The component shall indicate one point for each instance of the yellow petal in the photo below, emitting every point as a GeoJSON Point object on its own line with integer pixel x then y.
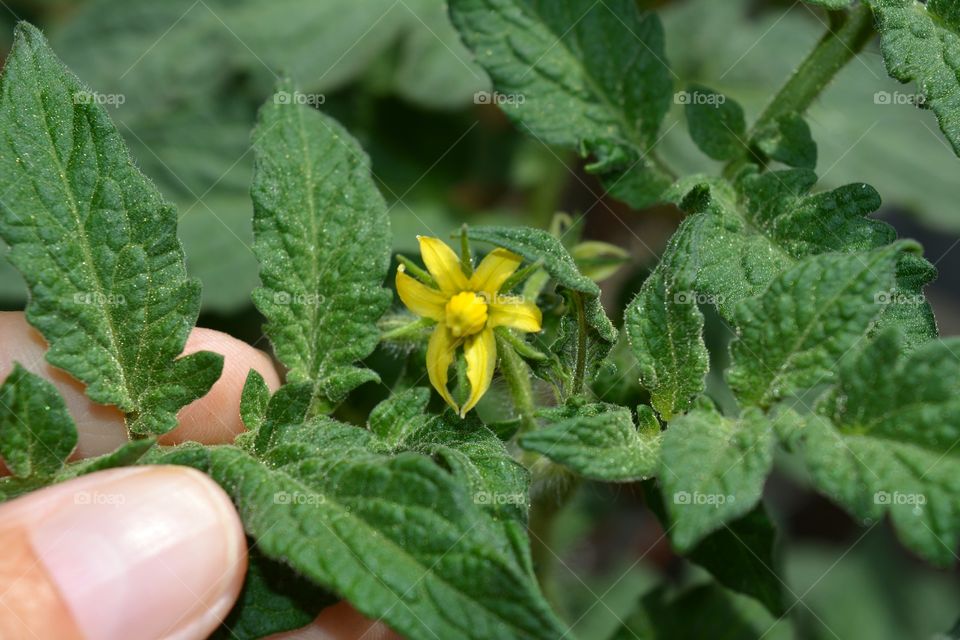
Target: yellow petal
{"type": "Point", "coordinates": [443, 264]}
{"type": "Point", "coordinates": [440, 352]}
{"type": "Point", "coordinates": [515, 314]}
{"type": "Point", "coordinates": [422, 300]}
{"type": "Point", "coordinates": [494, 269]}
{"type": "Point", "coordinates": [480, 351]}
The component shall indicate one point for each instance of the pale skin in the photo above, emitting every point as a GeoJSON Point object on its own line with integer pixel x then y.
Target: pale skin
{"type": "Point", "coordinates": [144, 553]}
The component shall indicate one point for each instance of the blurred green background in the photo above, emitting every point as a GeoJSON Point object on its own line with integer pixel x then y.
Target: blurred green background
{"type": "Point", "coordinates": [191, 74]}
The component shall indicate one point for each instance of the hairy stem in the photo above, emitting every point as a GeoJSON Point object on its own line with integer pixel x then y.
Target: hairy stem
{"type": "Point", "coordinates": [516, 374]}
{"type": "Point", "coordinates": [848, 34]}
{"type": "Point", "coordinates": [581, 366]}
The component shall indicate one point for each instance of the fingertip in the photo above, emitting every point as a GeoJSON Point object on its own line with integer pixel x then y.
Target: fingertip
{"type": "Point", "coordinates": [341, 622]}
{"type": "Point", "coordinates": [146, 552]}
{"type": "Point", "coordinates": [215, 418]}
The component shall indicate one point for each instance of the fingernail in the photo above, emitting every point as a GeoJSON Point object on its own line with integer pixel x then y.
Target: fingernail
{"type": "Point", "coordinates": [154, 554]}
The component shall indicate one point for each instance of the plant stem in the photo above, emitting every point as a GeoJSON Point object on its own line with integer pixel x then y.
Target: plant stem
{"type": "Point", "coordinates": [581, 366]}
{"type": "Point", "coordinates": [518, 381]}
{"type": "Point", "coordinates": [848, 34]}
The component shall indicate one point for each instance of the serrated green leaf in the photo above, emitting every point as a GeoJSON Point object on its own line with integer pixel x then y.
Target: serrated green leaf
{"type": "Point", "coordinates": [323, 240]}
{"type": "Point", "coordinates": [355, 523]}
{"type": "Point", "coordinates": [883, 441]}
{"type": "Point", "coordinates": [921, 43]}
{"type": "Point", "coordinates": [96, 244]}
{"type": "Point", "coordinates": [273, 599]}
{"type": "Point", "coordinates": [664, 326]}
{"type": "Point", "coordinates": [601, 442]}
{"type": "Point", "coordinates": [125, 455]}
{"type": "Point", "coordinates": [560, 67]}
{"type": "Point", "coordinates": [254, 400]}
{"type": "Point", "coordinates": [717, 124]}
{"type": "Point", "coordinates": [499, 484]}
{"type": "Point", "coordinates": [399, 415]}
{"type": "Point", "coordinates": [37, 434]}
{"type": "Point", "coordinates": [713, 470]}
{"type": "Point", "coordinates": [792, 336]}
{"type": "Point", "coordinates": [788, 140]}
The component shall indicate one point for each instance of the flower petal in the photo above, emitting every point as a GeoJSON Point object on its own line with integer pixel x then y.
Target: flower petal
{"type": "Point", "coordinates": [494, 269]}
{"type": "Point", "coordinates": [480, 351]}
{"type": "Point", "coordinates": [443, 264]}
{"type": "Point", "coordinates": [422, 300]}
{"type": "Point", "coordinates": [440, 353]}
{"type": "Point", "coordinates": [515, 314]}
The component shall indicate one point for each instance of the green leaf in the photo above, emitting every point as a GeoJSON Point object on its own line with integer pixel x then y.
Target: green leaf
{"type": "Point", "coordinates": [399, 415]}
{"type": "Point", "coordinates": [921, 43]}
{"type": "Point", "coordinates": [883, 441]}
{"type": "Point", "coordinates": [741, 557]}
{"type": "Point", "coordinates": [37, 433]}
{"type": "Point", "coordinates": [396, 535]}
{"type": "Point", "coordinates": [793, 335]}
{"type": "Point", "coordinates": [96, 244]}
{"type": "Point", "coordinates": [125, 455]}
{"type": "Point", "coordinates": [833, 5]}
{"type": "Point", "coordinates": [664, 326]}
{"type": "Point", "coordinates": [788, 140]}
{"type": "Point", "coordinates": [561, 70]}
{"type": "Point", "coordinates": [323, 240]}
{"type": "Point", "coordinates": [499, 484]}
{"type": "Point", "coordinates": [704, 611]}
{"type": "Point", "coordinates": [601, 442]}
{"type": "Point", "coordinates": [717, 124]}
{"type": "Point", "coordinates": [273, 599]}
{"type": "Point", "coordinates": [254, 400]}
{"type": "Point", "coordinates": [713, 470]}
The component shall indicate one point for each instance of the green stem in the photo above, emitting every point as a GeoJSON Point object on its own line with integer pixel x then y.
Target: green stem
{"type": "Point", "coordinates": [847, 35]}
{"type": "Point", "coordinates": [517, 375]}
{"type": "Point", "coordinates": [408, 330]}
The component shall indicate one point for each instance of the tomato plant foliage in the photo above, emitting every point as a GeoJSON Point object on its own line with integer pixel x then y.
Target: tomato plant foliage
{"type": "Point", "coordinates": [419, 517]}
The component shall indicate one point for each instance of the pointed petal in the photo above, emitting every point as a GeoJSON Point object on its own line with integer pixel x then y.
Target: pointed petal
{"type": "Point", "coordinates": [515, 314]}
{"type": "Point", "coordinates": [440, 352]}
{"type": "Point", "coordinates": [443, 264]}
{"type": "Point", "coordinates": [422, 300]}
{"type": "Point", "coordinates": [480, 351]}
{"type": "Point", "coordinates": [494, 269]}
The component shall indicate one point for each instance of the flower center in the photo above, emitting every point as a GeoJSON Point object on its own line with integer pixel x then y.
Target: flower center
{"type": "Point", "coordinates": [466, 314]}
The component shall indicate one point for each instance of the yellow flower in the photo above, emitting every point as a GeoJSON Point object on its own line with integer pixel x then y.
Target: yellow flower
{"type": "Point", "coordinates": [467, 310]}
